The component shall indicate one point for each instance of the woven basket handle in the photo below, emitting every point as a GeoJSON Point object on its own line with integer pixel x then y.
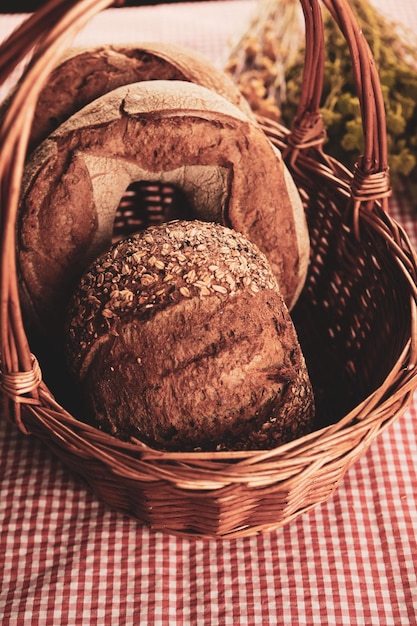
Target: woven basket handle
{"type": "Point", "coordinates": [370, 181]}
{"type": "Point", "coordinates": [45, 34]}
{"type": "Point", "coordinates": [307, 129]}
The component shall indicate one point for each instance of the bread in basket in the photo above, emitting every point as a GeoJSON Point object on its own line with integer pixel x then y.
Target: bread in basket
{"type": "Point", "coordinates": [356, 316]}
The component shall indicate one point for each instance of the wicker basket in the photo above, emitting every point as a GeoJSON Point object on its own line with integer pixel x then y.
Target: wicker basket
{"type": "Point", "coordinates": [356, 318]}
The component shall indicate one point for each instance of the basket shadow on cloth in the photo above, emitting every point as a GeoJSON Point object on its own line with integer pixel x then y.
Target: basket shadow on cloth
{"type": "Point", "coordinates": [356, 317]}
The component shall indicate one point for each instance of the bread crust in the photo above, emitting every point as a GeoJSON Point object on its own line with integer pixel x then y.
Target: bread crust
{"type": "Point", "coordinates": [74, 181]}
{"type": "Point", "coordinates": [180, 337]}
{"type": "Point", "coordinates": [84, 74]}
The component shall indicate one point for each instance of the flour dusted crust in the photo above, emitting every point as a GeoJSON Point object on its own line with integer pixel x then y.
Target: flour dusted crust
{"type": "Point", "coordinates": [173, 131]}
{"type": "Point", "coordinates": [84, 74]}
{"type": "Point", "coordinates": [179, 337]}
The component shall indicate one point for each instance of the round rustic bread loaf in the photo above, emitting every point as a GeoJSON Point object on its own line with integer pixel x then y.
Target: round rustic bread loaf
{"type": "Point", "coordinates": [84, 74]}
{"type": "Point", "coordinates": [180, 338]}
{"type": "Point", "coordinates": [171, 131]}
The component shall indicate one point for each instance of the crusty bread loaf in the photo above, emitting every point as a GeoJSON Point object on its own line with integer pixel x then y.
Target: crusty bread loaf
{"type": "Point", "coordinates": [180, 337]}
{"type": "Point", "coordinates": [173, 131]}
{"type": "Point", "coordinates": [84, 74]}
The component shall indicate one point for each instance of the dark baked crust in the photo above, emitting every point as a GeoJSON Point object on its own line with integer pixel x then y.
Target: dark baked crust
{"type": "Point", "coordinates": [85, 74]}
{"type": "Point", "coordinates": [181, 338]}
{"type": "Point", "coordinates": [160, 127]}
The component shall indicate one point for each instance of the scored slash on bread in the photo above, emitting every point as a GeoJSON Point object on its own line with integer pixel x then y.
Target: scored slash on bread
{"type": "Point", "coordinates": [152, 129]}
{"type": "Point", "coordinates": [84, 74]}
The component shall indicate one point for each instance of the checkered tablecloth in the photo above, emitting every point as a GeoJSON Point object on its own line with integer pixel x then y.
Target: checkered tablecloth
{"type": "Point", "coordinates": [67, 559]}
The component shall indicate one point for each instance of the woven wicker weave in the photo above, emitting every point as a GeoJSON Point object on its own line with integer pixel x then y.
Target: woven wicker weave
{"type": "Point", "coordinates": [356, 317]}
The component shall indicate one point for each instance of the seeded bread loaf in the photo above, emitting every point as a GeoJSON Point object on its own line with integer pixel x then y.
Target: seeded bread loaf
{"type": "Point", "coordinates": [179, 337]}
{"type": "Point", "coordinates": [171, 131]}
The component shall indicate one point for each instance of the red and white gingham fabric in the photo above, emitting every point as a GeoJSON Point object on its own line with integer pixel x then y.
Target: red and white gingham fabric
{"type": "Point", "coordinates": [67, 559]}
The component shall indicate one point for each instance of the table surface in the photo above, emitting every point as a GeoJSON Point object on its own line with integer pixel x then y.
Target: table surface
{"type": "Point", "coordinates": [66, 558]}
